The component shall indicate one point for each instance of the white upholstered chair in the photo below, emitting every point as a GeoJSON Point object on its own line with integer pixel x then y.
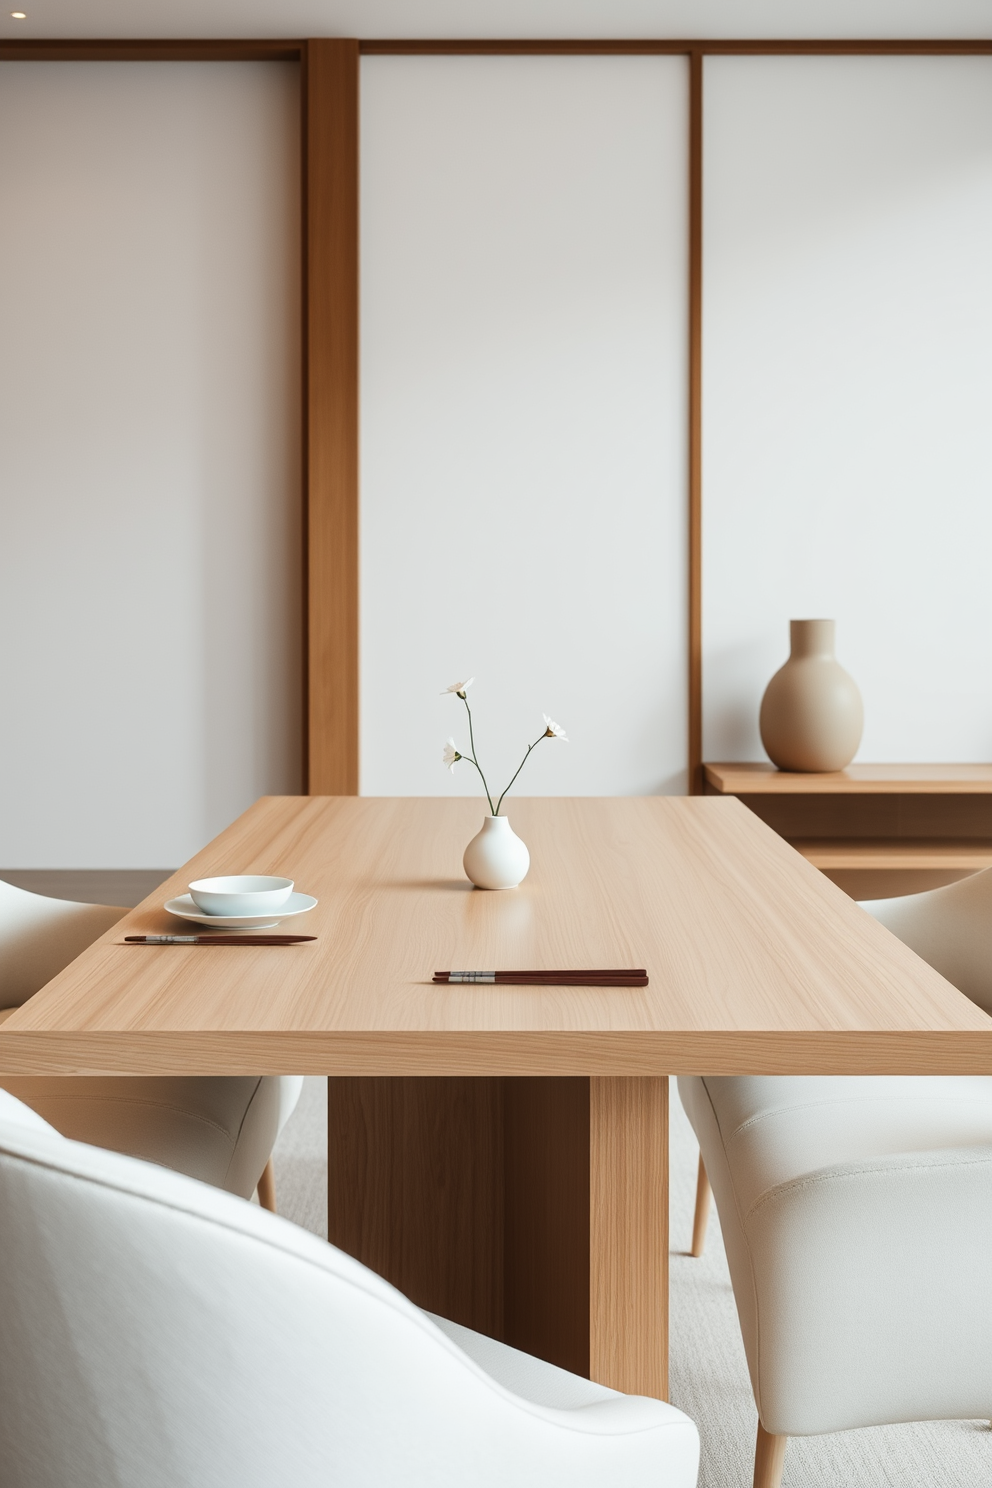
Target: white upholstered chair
{"type": "Point", "coordinates": [856, 1213]}
{"type": "Point", "coordinates": [218, 1129]}
{"type": "Point", "coordinates": [951, 928]}
{"type": "Point", "coordinates": [157, 1333]}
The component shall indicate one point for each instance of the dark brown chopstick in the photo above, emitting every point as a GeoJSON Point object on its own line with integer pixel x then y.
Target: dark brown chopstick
{"type": "Point", "coordinates": [609, 977]}
{"type": "Point", "coordinates": [200, 940]}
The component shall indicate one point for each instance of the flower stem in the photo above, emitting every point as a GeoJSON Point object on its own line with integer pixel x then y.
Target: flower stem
{"type": "Point", "coordinates": [475, 762]}
{"type": "Point", "coordinates": [537, 741]}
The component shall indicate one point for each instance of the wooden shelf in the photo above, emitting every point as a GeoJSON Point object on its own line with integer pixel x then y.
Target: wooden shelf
{"type": "Point", "coordinates": [842, 853]}
{"type": "Point", "coordinates": [868, 780]}
{"type": "Point", "coordinates": [876, 830]}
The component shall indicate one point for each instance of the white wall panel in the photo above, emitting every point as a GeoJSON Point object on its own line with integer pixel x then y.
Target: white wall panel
{"type": "Point", "coordinates": [508, 18]}
{"type": "Point", "coordinates": [523, 418]}
{"type": "Point", "coordinates": [847, 389]}
{"type": "Point", "coordinates": [149, 466]}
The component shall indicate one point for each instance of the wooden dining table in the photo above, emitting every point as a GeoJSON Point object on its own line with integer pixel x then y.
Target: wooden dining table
{"type": "Point", "coordinates": [500, 1153]}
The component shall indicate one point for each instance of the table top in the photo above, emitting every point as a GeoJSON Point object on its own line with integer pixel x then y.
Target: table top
{"type": "Point", "coordinates": [873, 780]}
{"type": "Point", "coordinates": [757, 962]}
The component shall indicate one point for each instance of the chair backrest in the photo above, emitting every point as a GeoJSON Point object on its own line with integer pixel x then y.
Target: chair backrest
{"type": "Point", "coordinates": [157, 1333]}
{"type": "Point", "coordinates": [951, 928]}
{"type": "Point", "coordinates": [15, 1111]}
{"type": "Point", "coordinates": [39, 936]}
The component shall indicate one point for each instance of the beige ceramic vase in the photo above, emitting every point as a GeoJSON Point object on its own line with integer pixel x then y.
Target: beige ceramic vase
{"type": "Point", "coordinates": [811, 714]}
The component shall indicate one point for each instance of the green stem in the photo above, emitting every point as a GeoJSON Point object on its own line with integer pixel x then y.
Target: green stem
{"type": "Point", "coordinates": [475, 761]}
{"type": "Point", "coordinates": [537, 741]}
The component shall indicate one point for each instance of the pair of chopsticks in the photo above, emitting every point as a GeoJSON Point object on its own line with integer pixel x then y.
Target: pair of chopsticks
{"type": "Point", "coordinates": [238, 940]}
{"type": "Point", "coordinates": [612, 977]}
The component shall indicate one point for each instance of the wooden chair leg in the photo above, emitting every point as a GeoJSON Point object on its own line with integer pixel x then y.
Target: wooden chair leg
{"type": "Point", "coordinates": [769, 1459]}
{"type": "Point", "coordinates": [267, 1188]}
{"type": "Point", "coordinates": [702, 1215]}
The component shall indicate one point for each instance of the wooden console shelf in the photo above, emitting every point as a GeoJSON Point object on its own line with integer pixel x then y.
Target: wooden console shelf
{"type": "Point", "coordinates": [865, 780]}
{"type": "Point", "coordinates": [848, 852]}
{"type": "Point", "coordinates": [874, 829]}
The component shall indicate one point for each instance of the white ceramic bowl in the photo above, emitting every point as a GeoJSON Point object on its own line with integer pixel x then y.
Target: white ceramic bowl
{"type": "Point", "coordinates": [241, 894]}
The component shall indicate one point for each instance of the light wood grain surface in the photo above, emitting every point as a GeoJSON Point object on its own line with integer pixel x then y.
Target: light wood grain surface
{"type": "Point", "coordinates": [628, 1212]}
{"type": "Point", "coordinates": [927, 780]}
{"type": "Point", "coordinates": [757, 962]}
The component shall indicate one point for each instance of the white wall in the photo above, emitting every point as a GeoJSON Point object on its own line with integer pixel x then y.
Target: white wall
{"type": "Point", "coordinates": [507, 18]}
{"type": "Point", "coordinates": [523, 419]}
{"type": "Point", "coordinates": [149, 480]}
{"type": "Point", "coordinates": [848, 389]}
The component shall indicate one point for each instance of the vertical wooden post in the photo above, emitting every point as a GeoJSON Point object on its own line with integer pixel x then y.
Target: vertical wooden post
{"type": "Point", "coordinates": [330, 402]}
{"type": "Point", "coordinates": [628, 1234]}
{"type": "Point", "coordinates": [696, 421]}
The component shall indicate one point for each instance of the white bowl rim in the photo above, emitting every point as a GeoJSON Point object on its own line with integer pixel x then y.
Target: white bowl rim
{"type": "Point", "coordinates": [238, 883]}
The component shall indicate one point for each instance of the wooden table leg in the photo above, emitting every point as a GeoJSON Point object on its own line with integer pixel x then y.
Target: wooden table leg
{"type": "Point", "coordinates": [628, 1234]}
{"type": "Point", "coordinates": [534, 1210]}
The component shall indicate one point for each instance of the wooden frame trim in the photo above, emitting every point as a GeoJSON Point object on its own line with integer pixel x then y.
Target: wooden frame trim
{"type": "Point", "coordinates": [330, 415]}
{"type": "Point", "coordinates": [550, 47]}
{"type": "Point", "coordinates": [164, 50]}
{"type": "Point", "coordinates": [695, 535]}
{"type": "Point", "coordinates": [665, 47]}
{"type": "Point", "coordinates": [937, 47]}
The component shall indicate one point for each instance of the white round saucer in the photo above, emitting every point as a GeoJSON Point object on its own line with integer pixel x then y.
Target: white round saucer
{"type": "Point", "coordinates": [185, 909]}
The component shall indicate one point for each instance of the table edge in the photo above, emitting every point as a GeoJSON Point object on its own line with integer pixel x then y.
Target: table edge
{"type": "Point", "coordinates": [623, 1054]}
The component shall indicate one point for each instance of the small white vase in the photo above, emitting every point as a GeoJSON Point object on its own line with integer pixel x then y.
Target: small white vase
{"type": "Point", "coordinates": [496, 858]}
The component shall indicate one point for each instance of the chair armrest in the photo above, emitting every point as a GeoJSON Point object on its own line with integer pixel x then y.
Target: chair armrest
{"type": "Point", "coordinates": [873, 1293]}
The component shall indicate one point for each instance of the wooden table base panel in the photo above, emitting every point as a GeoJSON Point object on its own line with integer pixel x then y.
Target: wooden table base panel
{"type": "Point", "coordinates": [546, 1219]}
{"type": "Point", "coordinates": [415, 1189]}
{"type": "Point", "coordinates": [534, 1210]}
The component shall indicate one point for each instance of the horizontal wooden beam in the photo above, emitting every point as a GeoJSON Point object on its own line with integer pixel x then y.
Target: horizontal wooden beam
{"type": "Point", "coordinates": [248, 49]}
{"type": "Point", "coordinates": [608, 47]}
{"type": "Point", "coordinates": [509, 48]}
{"type": "Point", "coordinates": [164, 50]}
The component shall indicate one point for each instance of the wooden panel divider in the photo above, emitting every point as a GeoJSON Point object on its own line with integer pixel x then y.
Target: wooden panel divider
{"type": "Point", "coordinates": [330, 318]}
{"type": "Point", "coordinates": [330, 412]}
{"type": "Point", "coordinates": [695, 555]}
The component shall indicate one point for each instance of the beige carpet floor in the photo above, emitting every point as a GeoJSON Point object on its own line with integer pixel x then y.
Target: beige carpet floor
{"type": "Point", "coordinates": [709, 1375]}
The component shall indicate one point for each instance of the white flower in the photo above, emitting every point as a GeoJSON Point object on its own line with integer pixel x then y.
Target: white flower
{"type": "Point", "coordinates": [451, 755]}
{"type": "Point", "coordinates": [460, 687]}
{"type": "Point", "coordinates": [554, 730]}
